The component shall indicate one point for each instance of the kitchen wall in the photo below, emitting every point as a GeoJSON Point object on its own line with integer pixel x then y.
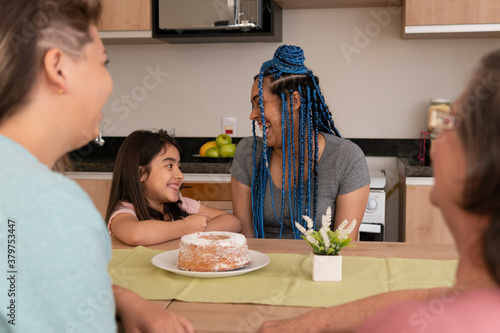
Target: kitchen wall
{"type": "Point", "coordinates": [376, 84]}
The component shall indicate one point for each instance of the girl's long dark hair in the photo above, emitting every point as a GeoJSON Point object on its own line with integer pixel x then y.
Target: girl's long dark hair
{"type": "Point", "coordinates": [138, 150]}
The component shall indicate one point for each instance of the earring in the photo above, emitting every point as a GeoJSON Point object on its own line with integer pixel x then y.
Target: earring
{"type": "Point", "coordinates": [60, 91]}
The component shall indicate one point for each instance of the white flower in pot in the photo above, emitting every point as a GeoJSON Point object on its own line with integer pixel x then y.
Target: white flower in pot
{"type": "Point", "coordinates": [326, 245]}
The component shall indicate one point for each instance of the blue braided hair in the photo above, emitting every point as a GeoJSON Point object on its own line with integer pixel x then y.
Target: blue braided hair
{"type": "Point", "coordinates": [286, 74]}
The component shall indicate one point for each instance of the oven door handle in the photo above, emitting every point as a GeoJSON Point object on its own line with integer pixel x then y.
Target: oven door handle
{"type": "Point", "coordinates": [370, 228]}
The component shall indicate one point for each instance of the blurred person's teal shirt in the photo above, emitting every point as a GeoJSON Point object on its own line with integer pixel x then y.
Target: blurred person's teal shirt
{"type": "Point", "coordinates": [58, 280]}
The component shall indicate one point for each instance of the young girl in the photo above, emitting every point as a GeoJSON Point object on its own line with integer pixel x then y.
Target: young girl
{"type": "Point", "coordinates": [145, 205]}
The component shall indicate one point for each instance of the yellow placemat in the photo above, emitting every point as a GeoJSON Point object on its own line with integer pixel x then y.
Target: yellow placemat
{"type": "Point", "coordinates": [285, 281]}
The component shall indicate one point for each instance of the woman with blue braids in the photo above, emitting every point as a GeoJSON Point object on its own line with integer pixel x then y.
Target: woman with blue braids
{"type": "Point", "coordinates": [300, 166]}
{"type": "Point", "coordinates": [466, 168]}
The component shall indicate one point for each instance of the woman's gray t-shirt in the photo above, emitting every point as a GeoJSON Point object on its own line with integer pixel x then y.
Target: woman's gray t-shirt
{"type": "Point", "coordinates": [342, 169]}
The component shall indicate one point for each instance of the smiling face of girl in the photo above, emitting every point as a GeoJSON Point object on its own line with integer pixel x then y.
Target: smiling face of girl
{"type": "Point", "coordinates": [163, 179]}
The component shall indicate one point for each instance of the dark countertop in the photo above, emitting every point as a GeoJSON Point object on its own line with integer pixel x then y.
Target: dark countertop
{"type": "Point", "coordinates": [105, 165]}
{"type": "Point", "coordinates": [409, 169]}
{"type": "Point", "coordinates": [90, 165]}
{"type": "Point", "coordinates": [92, 158]}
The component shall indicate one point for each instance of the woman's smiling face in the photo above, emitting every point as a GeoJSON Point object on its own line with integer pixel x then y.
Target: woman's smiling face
{"type": "Point", "coordinates": [272, 113]}
{"type": "Point", "coordinates": [90, 86]}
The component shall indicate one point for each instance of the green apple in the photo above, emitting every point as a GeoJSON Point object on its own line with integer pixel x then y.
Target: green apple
{"type": "Point", "coordinates": [212, 152]}
{"type": "Point", "coordinates": [227, 150]}
{"type": "Point", "coordinates": [223, 139]}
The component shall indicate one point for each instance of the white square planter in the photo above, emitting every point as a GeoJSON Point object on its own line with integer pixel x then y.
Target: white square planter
{"type": "Point", "coordinates": [327, 268]}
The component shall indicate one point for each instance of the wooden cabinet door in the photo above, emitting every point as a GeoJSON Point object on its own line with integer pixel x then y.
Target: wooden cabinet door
{"type": "Point", "coordinates": [451, 19]}
{"type": "Point", "coordinates": [217, 195]}
{"type": "Point", "coordinates": [207, 191]}
{"type": "Point", "coordinates": [125, 15]}
{"type": "Point", "coordinates": [98, 190]}
{"type": "Point", "coordinates": [422, 223]}
{"type": "Point", "coordinates": [432, 12]}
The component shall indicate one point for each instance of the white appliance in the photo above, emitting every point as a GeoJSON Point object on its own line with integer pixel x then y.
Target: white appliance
{"type": "Point", "coordinates": [373, 224]}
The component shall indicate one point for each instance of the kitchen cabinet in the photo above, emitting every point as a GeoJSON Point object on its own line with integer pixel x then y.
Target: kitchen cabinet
{"type": "Point", "coordinates": [97, 185]}
{"type": "Point", "coordinates": [217, 195]}
{"type": "Point", "coordinates": [122, 15]}
{"type": "Point", "coordinates": [420, 221]}
{"type": "Point", "coordinates": [451, 18]}
{"type": "Point", "coordinates": [126, 21]}
{"type": "Point", "coordinates": [213, 190]}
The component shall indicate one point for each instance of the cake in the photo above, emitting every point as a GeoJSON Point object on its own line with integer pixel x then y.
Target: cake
{"type": "Point", "coordinates": [213, 251]}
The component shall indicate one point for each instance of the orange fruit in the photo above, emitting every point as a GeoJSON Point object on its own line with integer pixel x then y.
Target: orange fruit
{"type": "Point", "coordinates": [206, 146]}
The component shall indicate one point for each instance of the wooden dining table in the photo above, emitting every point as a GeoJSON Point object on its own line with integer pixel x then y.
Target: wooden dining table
{"type": "Point", "coordinates": [230, 317]}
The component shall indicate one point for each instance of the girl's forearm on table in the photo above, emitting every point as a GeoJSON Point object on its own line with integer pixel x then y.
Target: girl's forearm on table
{"type": "Point", "coordinates": [224, 222]}
{"type": "Point", "coordinates": [151, 232]}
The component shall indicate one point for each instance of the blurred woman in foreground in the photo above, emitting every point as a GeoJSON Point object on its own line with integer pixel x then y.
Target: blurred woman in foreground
{"type": "Point", "coordinates": [53, 85]}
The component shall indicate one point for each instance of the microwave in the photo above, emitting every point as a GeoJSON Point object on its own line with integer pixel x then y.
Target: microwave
{"type": "Point", "coordinates": [186, 15]}
{"type": "Point", "coordinates": [216, 21]}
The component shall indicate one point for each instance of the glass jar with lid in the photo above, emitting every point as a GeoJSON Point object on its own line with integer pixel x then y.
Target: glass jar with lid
{"type": "Point", "coordinates": [437, 104]}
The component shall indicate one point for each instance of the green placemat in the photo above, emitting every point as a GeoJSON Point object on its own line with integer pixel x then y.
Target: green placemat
{"type": "Point", "coordinates": [285, 281]}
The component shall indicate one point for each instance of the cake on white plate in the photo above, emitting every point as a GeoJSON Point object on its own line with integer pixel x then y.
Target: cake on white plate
{"type": "Point", "coordinates": [213, 251]}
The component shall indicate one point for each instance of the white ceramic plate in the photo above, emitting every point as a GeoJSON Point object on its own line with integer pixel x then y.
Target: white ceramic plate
{"type": "Point", "coordinates": [168, 261]}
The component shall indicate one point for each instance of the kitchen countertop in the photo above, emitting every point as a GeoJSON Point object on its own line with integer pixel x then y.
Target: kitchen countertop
{"type": "Point", "coordinates": [106, 165]}
{"type": "Point", "coordinates": [92, 158]}
{"type": "Point", "coordinates": [407, 168]}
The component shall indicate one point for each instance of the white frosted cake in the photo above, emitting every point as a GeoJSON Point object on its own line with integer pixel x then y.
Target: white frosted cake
{"type": "Point", "coordinates": [213, 251]}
